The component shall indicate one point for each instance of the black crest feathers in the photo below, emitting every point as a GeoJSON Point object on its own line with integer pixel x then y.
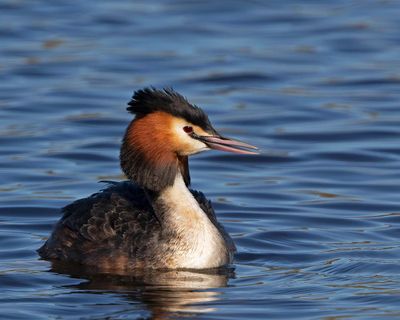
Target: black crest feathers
{"type": "Point", "coordinates": [148, 100]}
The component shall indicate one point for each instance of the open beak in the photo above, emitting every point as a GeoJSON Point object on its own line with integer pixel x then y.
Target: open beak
{"type": "Point", "coordinates": [229, 145]}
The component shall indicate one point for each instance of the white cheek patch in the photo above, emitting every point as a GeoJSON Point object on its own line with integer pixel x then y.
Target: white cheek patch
{"type": "Point", "coordinates": [185, 143]}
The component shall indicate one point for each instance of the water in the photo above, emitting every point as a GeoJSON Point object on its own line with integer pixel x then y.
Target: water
{"type": "Point", "coordinates": [314, 84]}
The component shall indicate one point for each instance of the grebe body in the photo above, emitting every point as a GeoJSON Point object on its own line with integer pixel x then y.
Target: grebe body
{"type": "Point", "coordinates": [153, 220]}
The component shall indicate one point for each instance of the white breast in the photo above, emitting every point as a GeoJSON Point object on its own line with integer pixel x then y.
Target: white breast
{"type": "Point", "coordinates": [202, 245]}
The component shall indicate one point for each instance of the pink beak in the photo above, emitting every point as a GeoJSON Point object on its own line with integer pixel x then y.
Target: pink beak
{"type": "Point", "coordinates": [229, 145]}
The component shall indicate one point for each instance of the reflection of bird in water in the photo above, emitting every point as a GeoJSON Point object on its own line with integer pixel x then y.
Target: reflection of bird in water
{"type": "Point", "coordinates": [153, 220]}
{"type": "Point", "coordinates": [167, 294]}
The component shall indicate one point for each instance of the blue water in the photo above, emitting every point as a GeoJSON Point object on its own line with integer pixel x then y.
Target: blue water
{"type": "Point", "coordinates": [314, 84]}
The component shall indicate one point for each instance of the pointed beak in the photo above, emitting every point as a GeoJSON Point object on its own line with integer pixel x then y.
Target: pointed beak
{"type": "Point", "coordinates": [230, 145]}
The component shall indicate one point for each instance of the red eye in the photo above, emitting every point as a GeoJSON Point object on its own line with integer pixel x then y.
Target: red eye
{"type": "Point", "coordinates": [188, 129]}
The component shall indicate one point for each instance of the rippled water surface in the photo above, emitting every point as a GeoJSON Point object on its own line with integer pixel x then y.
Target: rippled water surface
{"type": "Point", "coordinates": [314, 84]}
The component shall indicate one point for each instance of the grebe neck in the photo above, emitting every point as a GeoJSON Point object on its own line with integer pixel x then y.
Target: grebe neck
{"type": "Point", "coordinates": [176, 205]}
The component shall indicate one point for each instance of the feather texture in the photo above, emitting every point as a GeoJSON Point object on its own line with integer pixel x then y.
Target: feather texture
{"type": "Point", "coordinates": [118, 229]}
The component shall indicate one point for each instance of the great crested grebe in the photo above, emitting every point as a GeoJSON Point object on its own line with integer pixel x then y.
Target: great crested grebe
{"type": "Point", "coordinates": [153, 220]}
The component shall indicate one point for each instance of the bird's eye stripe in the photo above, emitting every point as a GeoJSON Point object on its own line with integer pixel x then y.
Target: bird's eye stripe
{"type": "Point", "coordinates": [187, 129]}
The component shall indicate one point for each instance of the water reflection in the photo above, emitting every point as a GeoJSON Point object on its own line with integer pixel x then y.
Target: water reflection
{"type": "Point", "coordinates": [166, 294]}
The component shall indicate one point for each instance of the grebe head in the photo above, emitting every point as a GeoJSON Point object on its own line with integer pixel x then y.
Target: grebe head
{"type": "Point", "coordinates": [165, 131]}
